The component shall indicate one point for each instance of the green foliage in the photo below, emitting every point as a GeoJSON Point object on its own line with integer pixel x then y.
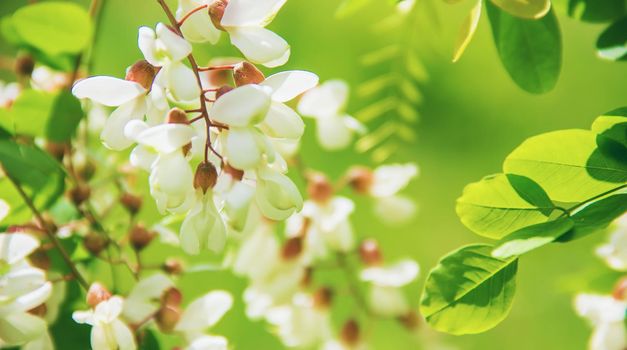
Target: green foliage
{"type": "Point", "coordinates": [596, 10]}
{"type": "Point", "coordinates": [557, 187]}
{"type": "Point", "coordinates": [469, 291]}
{"type": "Point", "coordinates": [611, 43]}
{"type": "Point", "coordinates": [531, 50]}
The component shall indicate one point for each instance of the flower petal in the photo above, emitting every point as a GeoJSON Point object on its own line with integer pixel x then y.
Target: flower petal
{"type": "Point", "coordinates": [177, 47]}
{"type": "Point", "coordinates": [112, 134]}
{"type": "Point", "coordinates": [147, 42]}
{"type": "Point", "coordinates": [123, 336]}
{"type": "Point", "coordinates": [142, 157]}
{"type": "Point", "coordinates": [333, 134]}
{"type": "Point", "coordinates": [205, 311]}
{"type": "Point", "coordinates": [328, 99]}
{"type": "Point", "coordinates": [242, 147]}
{"type": "Point", "coordinates": [250, 12]}
{"type": "Point", "coordinates": [198, 27]}
{"type": "Point", "coordinates": [18, 328]}
{"type": "Point", "coordinates": [166, 138]}
{"type": "Point", "coordinates": [260, 45]}
{"type": "Point", "coordinates": [209, 342]}
{"type": "Point", "coordinates": [390, 179]}
{"type": "Point", "coordinates": [288, 85]}
{"type": "Point", "coordinates": [17, 246]}
{"type": "Point", "coordinates": [180, 81]}
{"type": "Point", "coordinates": [283, 123]}
{"type": "Point", "coordinates": [108, 91]}
{"type": "Point", "coordinates": [243, 106]}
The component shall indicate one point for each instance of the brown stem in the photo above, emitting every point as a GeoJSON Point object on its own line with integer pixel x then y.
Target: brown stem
{"type": "Point", "coordinates": [182, 20]}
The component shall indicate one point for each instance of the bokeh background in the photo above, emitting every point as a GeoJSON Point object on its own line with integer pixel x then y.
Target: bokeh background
{"type": "Point", "coordinates": [472, 116]}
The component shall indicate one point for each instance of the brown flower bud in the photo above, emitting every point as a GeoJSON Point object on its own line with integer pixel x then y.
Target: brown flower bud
{"type": "Point", "coordinates": [142, 73]}
{"type": "Point", "coordinates": [172, 267]}
{"type": "Point", "coordinates": [307, 277]}
{"type": "Point", "coordinates": [235, 173]}
{"type": "Point", "coordinates": [370, 253]}
{"type": "Point", "coordinates": [95, 243]}
{"type": "Point", "coordinates": [56, 149]}
{"type": "Point", "coordinates": [131, 202]}
{"type": "Point", "coordinates": [39, 311]}
{"type": "Point", "coordinates": [350, 333]}
{"type": "Point", "coordinates": [96, 294]}
{"type": "Point", "coordinates": [222, 90]}
{"type": "Point", "coordinates": [79, 194]}
{"type": "Point", "coordinates": [205, 177]}
{"type": "Point", "coordinates": [216, 12]}
{"type": "Point", "coordinates": [40, 259]}
{"type": "Point", "coordinates": [319, 188]}
{"type": "Point", "coordinates": [86, 170]}
{"type": "Point", "coordinates": [360, 179]}
{"type": "Point", "coordinates": [245, 73]}
{"type": "Point", "coordinates": [172, 297]}
{"type": "Point", "coordinates": [620, 289]}
{"type": "Point", "coordinates": [410, 320]}
{"type": "Point", "coordinates": [177, 116]}
{"type": "Point", "coordinates": [292, 248]}
{"type": "Point", "coordinates": [219, 77]}
{"type": "Point", "coordinates": [322, 298]}
{"type": "Point", "coordinates": [140, 237]}
{"type": "Point", "coordinates": [167, 317]}
{"type": "Point", "coordinates": [24, 65]}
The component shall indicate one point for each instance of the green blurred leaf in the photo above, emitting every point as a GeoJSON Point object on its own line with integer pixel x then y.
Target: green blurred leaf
{"type": "Point", "coordinates": [500, 204]}
{"type": "Point", "coordinates": [66, 114]}
{"type": "Point", "coordinates": [529, 9]}
{"type": "Point", "coordinates": [596, 216]}
{"type": "Point", "coordinates": [612, 43]}
{"type": "Point", "coordinates": [53, 27]}
{"type": "Point", "coordinates": [531, 237]}
{"type": "Point", "coordinates": [348, 7]}
{"type": "Point", "coordinates": [30, 112]}
{"type": "Point", "coordinates": [467, 31]}
{"type": "Point", "coordinates": [596, 10]}
{"type": "Point", "coordinates": [567, 164]}
{"type": "Point", "coordinates": [612, 125]}
{"type": "Point", "coordinates": [469, 291]}
{"type": "Point", "coordinates": [531, 50]}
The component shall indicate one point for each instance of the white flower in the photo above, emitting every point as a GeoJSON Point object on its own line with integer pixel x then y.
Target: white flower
{"type": "Point", "coordinates": [166, 49]}
{"type": "Point", "coordinates": [46, 79]}
{"type": "Point", "coordinates": [8, 93]}
{"type": "Point", "coordinates": [245, 20]}
{"type": "Point", "coordinates": [198, 27]}
{"type": "Point", "coordinates": [607, 316]}
{"type": "Point", "coordinates": [258, 253]}
{"type": "Point", "coordinates": [203, 313]}
{"type": "Point", "coordinates": [387, 181]}
{"type": "Point", "coordinates": [326, 103]}
{"type": "Point", "coordinates": [171, 182]}
{"type": "Point", "coordinates": [237, 197]}
{"type": "Point", "coordinates": [329, 227]}
{"type": "Point", "coordinates": [108, 331]}
{"type": "Point", "coordinates": [277, 196]}
{"type": "Point", "coordinates": [301, 323]}
{"type": "Point", "coordinates": [386, 297]}
{"type": "Point", "coordinates": [145, 297]}
{"type": "Point", "coordinates": [209, 342]}
{"type": "Point", "coordinates": [22, 288]}
{"type": "Point", "coordinates": [203, 227]}
{"type": "Point", "coordinates": [339, 345]}
{"type": "Point", "coordinates": [615, 251]}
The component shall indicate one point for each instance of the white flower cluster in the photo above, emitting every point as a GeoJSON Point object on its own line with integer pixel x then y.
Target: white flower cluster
{"type": "Point", "coordinates": [606, 313]}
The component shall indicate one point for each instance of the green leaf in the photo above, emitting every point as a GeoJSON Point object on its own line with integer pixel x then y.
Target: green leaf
{"type": "Point", "coordinates": [348, 7]}
{"type": "Point", "coordinates": [530, 9]}
{"type": "Point", "coordinates": [612, 125]}
{"type": "Point", "coordinates": [66, 114]}
{"type": "Point", "coordinates": [611, 44]}
{"type": "Point", "coordinates": [467, 31]}
{"type": "Point", "coordinates": [531, 50]}
{"type": "Point", "coordinates": [30, 113]}
{"type": "Point", "coordinates": [596, 216]}
{"type": "Point", "coordinates": [596, 10]}
{"type": "Point", "coordinates": [567, 164]}
{"type": "Point", "coordinates": [53, 27]}
{"type": "Point", "coordinates": [469, 291]}
{"type": "Point", "coordinates": [531, 237]}
{"type": "Point", "coordinates": [500, 204]}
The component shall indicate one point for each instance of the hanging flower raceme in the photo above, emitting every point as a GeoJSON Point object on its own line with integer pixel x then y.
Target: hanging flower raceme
{"type": "Point", "coordinates": [22, 288]}
{"type": "Point", "coordinates": [607, 316]}
{"type": "Point", "coordinates": [326, 104]}
{"type": "Point", "coordinates": [134, 98]}
{"type": "Point", "coordinates": [108, 331]}
{"type": "Point", "coordinates": [386, 296]}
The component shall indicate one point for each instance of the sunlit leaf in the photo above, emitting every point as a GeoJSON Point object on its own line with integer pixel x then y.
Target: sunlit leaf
{"type": "Point", "coordinates": [30, 113]}
{"type": "Point", "coordinates": [567, 164]}
{"type": "Point", "coordinates": [531, 50]}
{"type": "Point", "coordinates": [597, 216]}
{"type": "Point", "coordinates": [467, 31]}
{"type": "Point", "coordinates": [469, 291]}
{"type": "Point", "coordinates": [531, 237]}
{"type": "Point", "coordinates": [612, 43]}
{"type": "Point", "coordinates": [501, 204]}
{"type": "Point", "coordinates": [530, 9]}
{"type": "Point", "coordinates": [65, 116]}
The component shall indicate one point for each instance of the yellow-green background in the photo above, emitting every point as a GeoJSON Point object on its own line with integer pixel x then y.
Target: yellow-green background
{"type": "Point", "coordinates": [472, 116]}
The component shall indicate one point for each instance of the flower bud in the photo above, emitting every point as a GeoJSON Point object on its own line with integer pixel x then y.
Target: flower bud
{"type": "Point", "coordinates": [620, 289]}
{"type": "Point", "coordinates": [142, 73]}
{"type": "Point", "coordinates": [319, 188]}
{"type": "Point", "coordinates": [245, 73]}
{"type": "Point", "coordinates": [409, 320]}
{"type": "Point", "coordinates": [350, 333]}
{"type": "Point", "coordinates": [370, 253]}
{"type": "Point", "coordinates": [235, 173]}
{"type": "Point", "coordinates": [40, 259]}
{"type": "Point", "coordinates": [56, 149]}
{"type": "Point", "coordinates": [322, 298]}
{"type": "Point", "coordinates": [307, 277]}
{"type": "Point", "coordinates": [140, 237]}
{"type": "Point", "coordinates": [79, 194]}
{"type": "Point", "coordinates": [24, 66]}
{"type": "Point", "coordinates": [96, 294]}
{"type": "Point", "coordinates": [172, 267]}
{"type": "Point", "coordinates": [86, 170]}
{"type": "Point", "coordinates": [292, 248]}
{"type": "Point", "coordinates": [167, 317]}
{"type": "Point", "coordinates": [205, 177]}
{"type": "Point", "coordinates": [95, 243]}
{"type": "Point", "coordinates": [222, 90]}
{"type": "Point", "coordinates": [131, 202]}
{"type": "Point", "coordinates": [360, 179]}
{"type": "Point", "coordinates": [178, 116]}
{"type": "Point", "coordinates": [39, 311]}
{"type": "Point", "coordinates": [172, 297]}
{"type": "Point", "coordinates": [216, 12]}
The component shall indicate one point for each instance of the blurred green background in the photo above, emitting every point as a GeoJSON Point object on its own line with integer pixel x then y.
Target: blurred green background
{"type": "Point", "coordinates": [473, 115]}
